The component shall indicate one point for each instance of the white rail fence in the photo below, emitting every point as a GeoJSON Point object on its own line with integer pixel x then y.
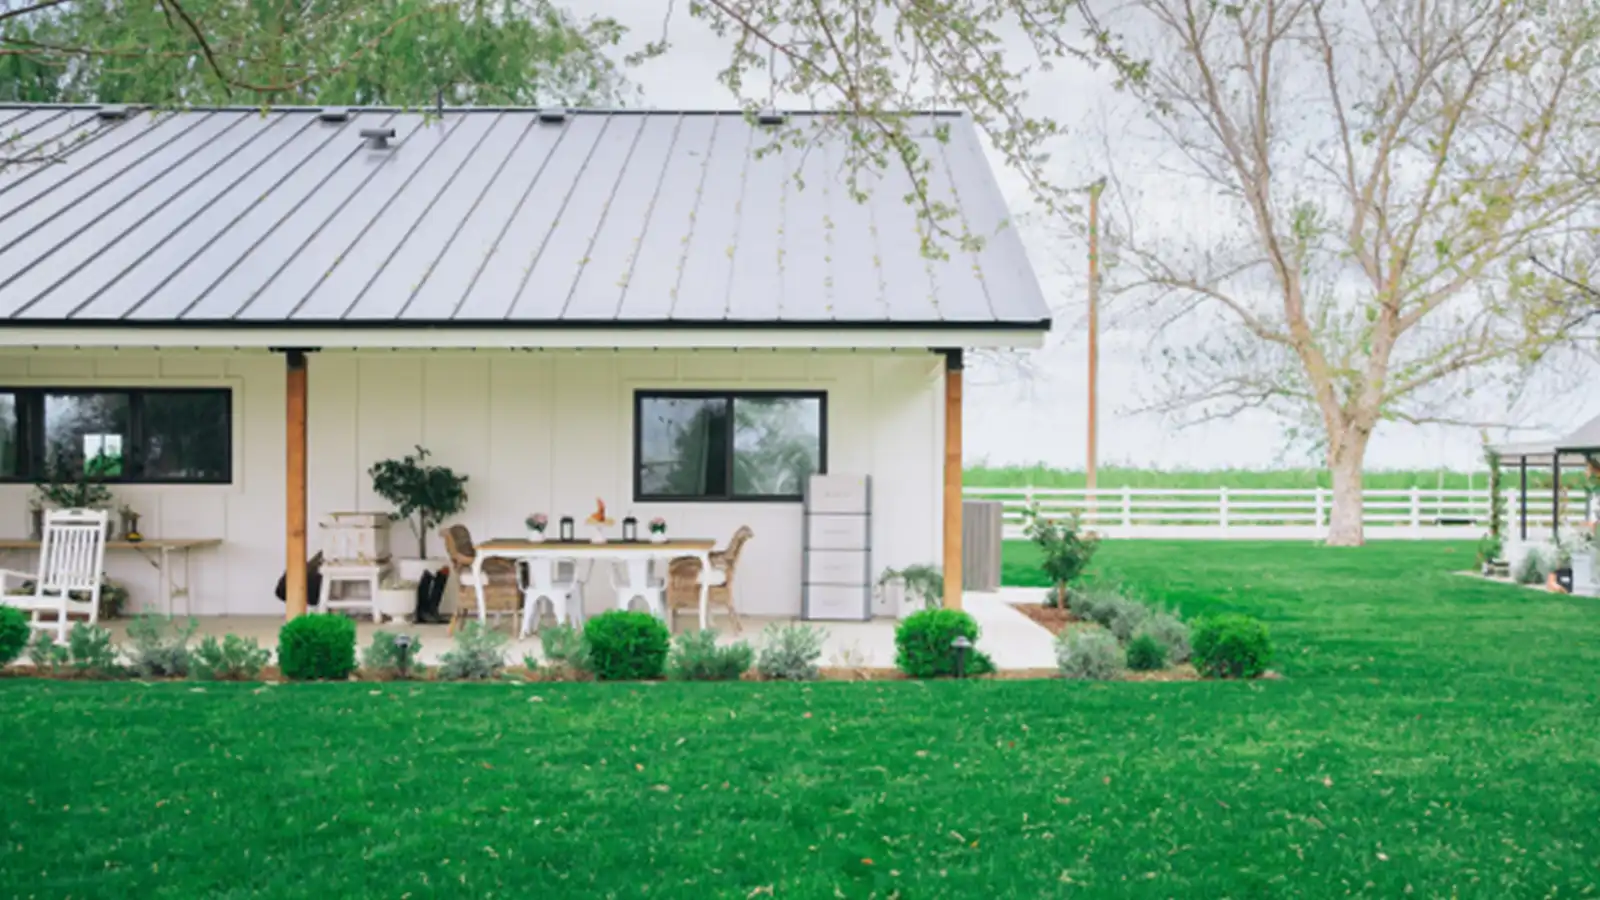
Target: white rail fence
{"type": "Point", "coordinates": [1418, 513]}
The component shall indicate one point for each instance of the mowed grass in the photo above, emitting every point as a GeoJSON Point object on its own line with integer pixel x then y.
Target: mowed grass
{"type": "Point", "coordinates": [1434, 737]}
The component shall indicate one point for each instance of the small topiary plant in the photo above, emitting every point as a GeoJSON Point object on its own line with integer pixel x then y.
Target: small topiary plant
{"type": "Point", "coordinates": [1171, 633]}
{"type": "Point", "coordinates": [1231, 646]}
{"type": "Point", "coordinates": [626, 646]}
{"type": "Point", "coordinates": [790, 653]}
{"type": "Point", "coordinates": [232, 659]}
{"type": "Point", "coordinates": [1146, 654]}
{"type": "Point", "coordinates": [695, 656]}
{"type": "Point", "coordinates": [155, 653]}
{"type": "Point", "coordinates": [1089, 653]}
{"type": "Point", "coordinates": [317, 648]}
{"type": "Point", "coordinates": [479, 654]}
{"type": "Point", "coordinates": [13, 634]}
{"type": "Point", "coordinates": [923, 644]}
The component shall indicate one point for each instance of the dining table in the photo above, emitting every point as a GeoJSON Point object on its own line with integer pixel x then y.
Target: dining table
{"type": "Point", "coordinates": [633, 553]}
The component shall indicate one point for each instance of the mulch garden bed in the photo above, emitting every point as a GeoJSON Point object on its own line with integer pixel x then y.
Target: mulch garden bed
{"type": "Point", "coordinates": [1052, 619]}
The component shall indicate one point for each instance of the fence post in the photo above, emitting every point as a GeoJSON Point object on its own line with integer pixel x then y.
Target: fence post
{"type": "Point", "coordinates": [1322, 510]}
{"type": "Point", "coordinates": [1222, 507]}
{"type": "Point", "coordinates": [1416, 512]}
{"type": "Point", "coordinates": [1127, 507]}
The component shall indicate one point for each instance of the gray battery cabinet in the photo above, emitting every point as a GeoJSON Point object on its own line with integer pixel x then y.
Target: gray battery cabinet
{"type": "Point", "coordinates": [836, 568]}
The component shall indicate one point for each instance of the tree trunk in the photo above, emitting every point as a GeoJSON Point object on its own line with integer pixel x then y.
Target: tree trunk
{"type": "Point", "coordinates": [1345, 522]}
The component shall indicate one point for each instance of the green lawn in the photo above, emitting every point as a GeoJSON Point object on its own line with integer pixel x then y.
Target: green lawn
{"type": "Point", "coordinates": [1434, 735]}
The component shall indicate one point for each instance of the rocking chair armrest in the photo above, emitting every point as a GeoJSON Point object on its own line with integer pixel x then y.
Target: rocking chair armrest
{"type": "Point", "coordinates": [12, 574]}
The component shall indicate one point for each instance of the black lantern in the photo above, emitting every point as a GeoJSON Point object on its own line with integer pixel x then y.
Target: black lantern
{"type": "Point", "coordinates": [630, 530]}
{"type": "Point", "coordinates": [961, 645]}
{"type": "Point", "coordinates": [568, 533]}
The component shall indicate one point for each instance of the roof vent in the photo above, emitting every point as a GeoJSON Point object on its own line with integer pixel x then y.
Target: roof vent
{"type": "Point", "coordinates": [377, 138]}
{"type": "Point", "coordinates": [113, 112]}
{"type": "Point", "coordinates": [334, 114]}
{"type": "Point", "coordinates": [552, 116]}
{"type": "Point", "coordinates": [770, 116]}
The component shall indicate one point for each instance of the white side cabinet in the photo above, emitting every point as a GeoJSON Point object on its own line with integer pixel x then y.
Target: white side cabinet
{"type": "Point", "coordinates": [836, 571]}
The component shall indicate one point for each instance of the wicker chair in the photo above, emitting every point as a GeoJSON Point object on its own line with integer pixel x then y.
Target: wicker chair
{"type": "Point", "coordinates": [683, 581]}
{"type": "Point", "coordinates": [500, 592]}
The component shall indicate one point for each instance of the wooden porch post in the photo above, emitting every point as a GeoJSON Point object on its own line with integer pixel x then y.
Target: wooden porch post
{"type": "Point", "coordinates": [952, 478]}
{"type": "Point", "coordinates": [294, 603]}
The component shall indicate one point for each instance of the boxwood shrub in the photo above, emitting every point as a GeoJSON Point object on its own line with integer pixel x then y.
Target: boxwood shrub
{"type": "Point", "coordinates": [14, 633]}
{"type": "Point", "coordinates": [1231, 646]}
{"type": "Point", "coordinates": [922, 644]}
{"type": "Point", "coordinates": [626, 646]}
{"type": "Point", "coordinates": [317, 648]}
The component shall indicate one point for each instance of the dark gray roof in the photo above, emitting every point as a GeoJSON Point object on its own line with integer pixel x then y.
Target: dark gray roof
{"type": "Point", "coordinates": [481, 216]}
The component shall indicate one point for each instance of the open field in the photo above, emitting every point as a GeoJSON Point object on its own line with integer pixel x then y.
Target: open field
{"type": "Point", "coordinates": [1281, 479]}
{"type": "Point", "coordinates": [1435, 736]}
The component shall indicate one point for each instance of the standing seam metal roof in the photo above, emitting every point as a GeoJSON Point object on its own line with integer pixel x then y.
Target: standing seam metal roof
{"type": "Point", "coordinates": [483, 216]}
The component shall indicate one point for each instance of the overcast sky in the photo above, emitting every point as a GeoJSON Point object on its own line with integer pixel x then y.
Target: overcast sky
{"type": "Point", "coordinates": [1042, 417]}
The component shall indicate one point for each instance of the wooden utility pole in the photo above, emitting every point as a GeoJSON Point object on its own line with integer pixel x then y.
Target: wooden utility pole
{"type": "Point", "coordinates": [1091, 473]}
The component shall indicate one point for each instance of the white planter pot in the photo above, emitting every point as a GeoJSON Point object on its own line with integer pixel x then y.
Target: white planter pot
{"type": "Point", "coordinates": [411, 569]}
{"type": "Point", "coordinates": [397, 603]}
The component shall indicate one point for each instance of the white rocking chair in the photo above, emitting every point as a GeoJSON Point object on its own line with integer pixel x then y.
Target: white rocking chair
{"type": "Point", "coordinates": [71, 563]}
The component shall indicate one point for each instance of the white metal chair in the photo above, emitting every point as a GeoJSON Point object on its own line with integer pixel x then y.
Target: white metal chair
{"type": "Point", "coordinates": [632, 581]}
{"type": "Point", "coordinates": [71, 566]}
{"type": "Point", "coordinates": [556, 581]}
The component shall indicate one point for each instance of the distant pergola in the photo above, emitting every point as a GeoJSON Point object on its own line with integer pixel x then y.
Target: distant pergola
{"type": "Point", "coordinates": [1579, 449]}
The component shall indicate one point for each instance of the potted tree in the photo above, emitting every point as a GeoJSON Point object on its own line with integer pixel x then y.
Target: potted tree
{"type": "Point", "coordinates": [423, 496]}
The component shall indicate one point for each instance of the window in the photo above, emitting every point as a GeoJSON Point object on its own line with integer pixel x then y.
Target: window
{"type": "Point", "coordinates": [169, 435]}
{"type": "Point", "coordinates": [707, 445]}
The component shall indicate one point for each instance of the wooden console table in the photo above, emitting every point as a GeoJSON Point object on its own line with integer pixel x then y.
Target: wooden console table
{"type": "Point", "coordinates": [160, 560]}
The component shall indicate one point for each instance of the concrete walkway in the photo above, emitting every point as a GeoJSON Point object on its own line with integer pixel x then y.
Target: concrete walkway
{"type": "Point", "coordinates": [1011, 639]}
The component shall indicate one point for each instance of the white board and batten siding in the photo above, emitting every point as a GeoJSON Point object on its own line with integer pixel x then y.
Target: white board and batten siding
{"type": "Point", "coordinates": [534, 431]}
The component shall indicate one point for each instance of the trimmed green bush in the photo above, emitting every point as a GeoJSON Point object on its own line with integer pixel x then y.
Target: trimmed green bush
{"type": "Point", "coordinates": [1145, 654]}
{"type": "Point", "coordinates": [1171, 633]}
{"type": "Point", "coordinates": [1231, 646]}
{"type": "Point", "coordinates": [626, 646]}
{"type": "Point", "coordinates": [13, 634]}
{"type": "Point", "coordinates": [790, 653]}
{"type": "Point", "coordinates": [317, 648]}
{"type": "Point", "coordinates": [1089, 653]}
{"type": "Point", "coordinates": [696, 656]}
{"type": "Point", "coordinates": [232, 659]}
{"type": "Point", "coordinates": [922, 644]}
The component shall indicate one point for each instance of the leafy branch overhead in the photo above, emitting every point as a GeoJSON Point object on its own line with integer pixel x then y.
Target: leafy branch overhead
{"type": "Point", "coordinates": [871, 61]}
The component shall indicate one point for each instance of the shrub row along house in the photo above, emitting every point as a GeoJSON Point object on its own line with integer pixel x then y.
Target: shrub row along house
{"type": "Point", "coordinates": [231, 314]}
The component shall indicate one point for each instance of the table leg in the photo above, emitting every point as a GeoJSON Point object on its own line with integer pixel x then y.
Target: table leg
{"type": "Point", "coordinates": [164, 583]}
{"type": "Point", "coordinates": [188, 586]}
{"type": "Point", "coordinates": [705, 591]}
{"type": "Point", "coordinates": [477, 590]}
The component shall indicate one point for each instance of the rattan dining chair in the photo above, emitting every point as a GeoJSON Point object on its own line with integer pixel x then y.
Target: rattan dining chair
{"type": "Point", "coordinates": [501, 594]}
{"type": "Point", "coordinates": [683, 581]}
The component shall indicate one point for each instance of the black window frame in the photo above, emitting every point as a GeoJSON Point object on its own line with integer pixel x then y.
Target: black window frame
{"type": "Point", "coordinates": [731, 396]}
{"type": "Point", "coordinates": [30, 423]}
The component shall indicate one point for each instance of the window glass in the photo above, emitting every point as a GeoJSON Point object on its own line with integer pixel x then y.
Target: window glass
{"type": "Point", "coordinates": [85, 433]}
{"type": "Point", "coordinates": [777, 445]}
{"type": "Point", "coordinates": [185, 436]}
{"type": "Point", "coordinates": [712, 446]}
{"type": "Point", "coordinates": [10, 437]}
{"type": "Point", "coordinates": [683, 446]}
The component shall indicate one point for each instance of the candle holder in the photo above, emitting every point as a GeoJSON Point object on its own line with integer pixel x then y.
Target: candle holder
{"type": "Point", "coordinates": [630, 529]}
{"type": "Point", "coordinates": [568, 529]}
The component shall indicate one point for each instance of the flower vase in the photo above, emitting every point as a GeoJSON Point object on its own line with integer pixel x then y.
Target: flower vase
{"type": "Point", "coordinates": [658, 537]}
{"type": "Point", "coordinates": [535, 537]}
{"type": "Point", "coordinates": [598, 535]}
